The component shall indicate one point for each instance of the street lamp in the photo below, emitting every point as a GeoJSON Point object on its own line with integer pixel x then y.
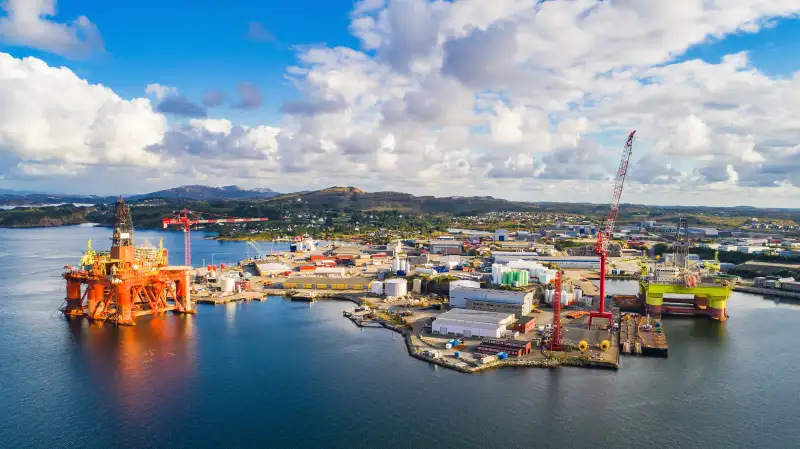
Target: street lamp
{"type": "Point", "coordinates": [214, 254]}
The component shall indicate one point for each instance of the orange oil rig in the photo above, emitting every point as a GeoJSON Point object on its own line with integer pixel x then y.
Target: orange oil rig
{"type": "Point", "coordinates": [126, 282]}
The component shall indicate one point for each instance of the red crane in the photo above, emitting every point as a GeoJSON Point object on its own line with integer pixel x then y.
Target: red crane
{"type": "Point", "coordinates": [555, 343]}
{"type": "Point", "coordinates": [604, 234]}
{"type": "Point", "coordinates": [182, 218]}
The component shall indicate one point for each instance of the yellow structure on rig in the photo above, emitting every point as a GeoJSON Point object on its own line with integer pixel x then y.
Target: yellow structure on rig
{"type": "Point", "coordinates": [670, 290]}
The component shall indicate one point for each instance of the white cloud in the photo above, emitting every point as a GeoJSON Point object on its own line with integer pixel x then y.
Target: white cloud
{"type": "Point", "coordinates": [510, 97]}
{"type": "Point", "coordinates": [49, 114]}
{"type": "Point", "coordinates": [159, 91]}
{"type": "Point", "coordinates": [27, 24]}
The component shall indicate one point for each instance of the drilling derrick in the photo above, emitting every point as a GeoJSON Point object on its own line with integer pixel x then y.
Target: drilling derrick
{"type": "Point", "coordinates": [126, 282]}
{"type": "Point", "coordinates": [122, 238]}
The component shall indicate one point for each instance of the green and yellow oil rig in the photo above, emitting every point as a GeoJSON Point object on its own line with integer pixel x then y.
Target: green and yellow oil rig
{"type": "Point", "coordinates": [679, 288]}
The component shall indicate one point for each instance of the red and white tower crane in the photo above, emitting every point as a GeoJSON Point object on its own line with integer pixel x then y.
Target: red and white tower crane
{"type": "Point", "coordinates": [605, 233]}
{"type": "Point", "coordinates": [183, 218]}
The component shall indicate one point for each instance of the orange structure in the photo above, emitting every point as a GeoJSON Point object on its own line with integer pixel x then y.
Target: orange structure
{"type": "Point", "coordinates": [126, 282]}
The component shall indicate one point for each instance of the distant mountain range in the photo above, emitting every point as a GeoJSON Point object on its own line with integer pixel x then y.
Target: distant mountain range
{"type": "Point", "coordinates": [198, 192]}
{"type": "Point", "coordinates": [353, 198]}
{"type": "Point", "coordinates": [344, 199]}
{"type": "Point", "coordinates": [188, 192]}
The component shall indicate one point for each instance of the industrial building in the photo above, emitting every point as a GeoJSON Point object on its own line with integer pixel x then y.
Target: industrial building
{"type": "Point", "coordinates": [324, 283]}
{"type": "Point", "coordinates": [464, 283]}
{"type": "Point", "coordinates": [445, 246]}
{"type": "Point", "coordinates": [506, 256]}
{"type": "Point", "coordinates": [518, 303]}
{"type": "Point", "coordinates": [501, 235]}
{"type": "Point", "coordinates": [267, 269]}
{"type": "Point", "coordinates": [472, 323]}
{"type": "Point", "coordinates": [574, 262]}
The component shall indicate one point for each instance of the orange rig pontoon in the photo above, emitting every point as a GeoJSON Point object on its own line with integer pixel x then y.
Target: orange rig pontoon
{"type": "Point", "coordinates": [126, 282]}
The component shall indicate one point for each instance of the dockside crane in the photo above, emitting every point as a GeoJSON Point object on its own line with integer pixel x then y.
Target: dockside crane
{"type": "Point", "coordinates": [605, 233]}
{"type": "Point", "coordinates": [556, 342]}
{"type": "Point", "coordinates": [187, 218]}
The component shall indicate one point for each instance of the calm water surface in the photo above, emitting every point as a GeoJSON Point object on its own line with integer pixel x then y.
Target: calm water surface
{"type": "Point", "coordinates": [283, 374]}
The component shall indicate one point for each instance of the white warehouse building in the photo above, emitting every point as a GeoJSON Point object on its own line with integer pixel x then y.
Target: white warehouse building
{"type": "Point", "coordinates": [571, 261]}
{"type": "Point", "coordinates": [505, 301]}
{"type": "Point", "coordinates": [472, 323]}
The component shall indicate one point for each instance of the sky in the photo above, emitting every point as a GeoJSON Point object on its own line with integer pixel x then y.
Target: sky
{"type": "Point", "coordinates": [520, 99]}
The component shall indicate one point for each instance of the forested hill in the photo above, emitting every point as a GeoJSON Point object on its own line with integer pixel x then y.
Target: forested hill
{"type": "Point", "coordinates": [45, 216]}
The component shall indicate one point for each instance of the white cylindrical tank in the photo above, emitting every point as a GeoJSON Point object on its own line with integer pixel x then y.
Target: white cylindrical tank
{"type": "Point", "coordinates": [578, 292]}
{"type": "Point", "coordinates": [395, 264]}
{"type": "Point", "coordinates": [406, 265]}
{"type": "Point", "coordinates": [376, 287]}
{"type": "Point", "coordinates": [228, 284]}
{"type": "Point", "coordinates": [497, 273]}
{"type": "Point", "coordinates": [395, 288]}
{"type": "Point", "coordinates": [566, 298]}
{"type": "Point", "coordinates": [416, 286]}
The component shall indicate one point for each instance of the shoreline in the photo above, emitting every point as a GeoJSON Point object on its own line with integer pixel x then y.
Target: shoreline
{"type": "Point", "coordinates": [766, 292]}
{"type": "Point", "coordinates": [419, 354]}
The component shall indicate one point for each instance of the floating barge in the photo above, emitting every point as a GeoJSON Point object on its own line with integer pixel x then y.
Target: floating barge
{"type": "Point", "coordinates": [640, 335]}
{"type": "Point", "coordinates": [628, 303]}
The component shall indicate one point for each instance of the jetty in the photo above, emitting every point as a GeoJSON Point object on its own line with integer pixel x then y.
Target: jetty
{"type": "Point", "coordinates": [226, 298]}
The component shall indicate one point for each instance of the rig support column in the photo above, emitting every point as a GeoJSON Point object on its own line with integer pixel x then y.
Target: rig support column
{"type": "Point", "coordinates": [96, 296]}
{"type": "Point", "coordinates": [124, 304]}
{"type": "Point", "coordinates": [74, 298]}
{"type": "Point", "coordinates": [184, 291]}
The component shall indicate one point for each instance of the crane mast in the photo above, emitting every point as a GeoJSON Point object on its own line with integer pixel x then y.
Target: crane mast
{"type": "Point", "coordinates": [182, 218]}
{"type": "Point", "coordinates": [556, 342]}
{"type": "Point", "coordinates": [605, 233]}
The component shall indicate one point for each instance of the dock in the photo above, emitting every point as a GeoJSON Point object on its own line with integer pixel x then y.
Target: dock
{"type": "Point", "coordinates": [638, 336]}
{"type": "Point", "coordinates": [304, 296]}
{"type": "Point", "coordinates": [223, 299]}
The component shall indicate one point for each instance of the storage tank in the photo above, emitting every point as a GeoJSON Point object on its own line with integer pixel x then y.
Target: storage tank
{"type": "Point", "coordinates": [396, 288]}
{"type": "Point", "coordinates": [566, 298]}
{"type": "Point", "coordinates": [376, 287]}
{"type": "Point", "coordinates": [416, 286]}
{"type": "Point", "coordinates": [578, 292]}
{"type": "Point", "coordinates": [228, 284]}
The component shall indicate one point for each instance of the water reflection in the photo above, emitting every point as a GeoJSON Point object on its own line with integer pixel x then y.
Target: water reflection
{"type": "Point", "coordinates": [136, 365]}
{"type": "Point", "coordinates": [230, 314]}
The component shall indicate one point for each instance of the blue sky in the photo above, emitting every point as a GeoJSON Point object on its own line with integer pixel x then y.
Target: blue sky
{"type": "Point", "coordinates": [200, 45]}
{"type": "Point", "coordinates": [773, 49]}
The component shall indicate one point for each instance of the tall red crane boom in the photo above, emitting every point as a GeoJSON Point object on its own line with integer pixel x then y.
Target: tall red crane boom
{"type": "Point", "coordinates": [182, 218]}
{"type": "Point", "coordinates": [556, 342]}
{"type": "Point", "coordinates": [605, 234]}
